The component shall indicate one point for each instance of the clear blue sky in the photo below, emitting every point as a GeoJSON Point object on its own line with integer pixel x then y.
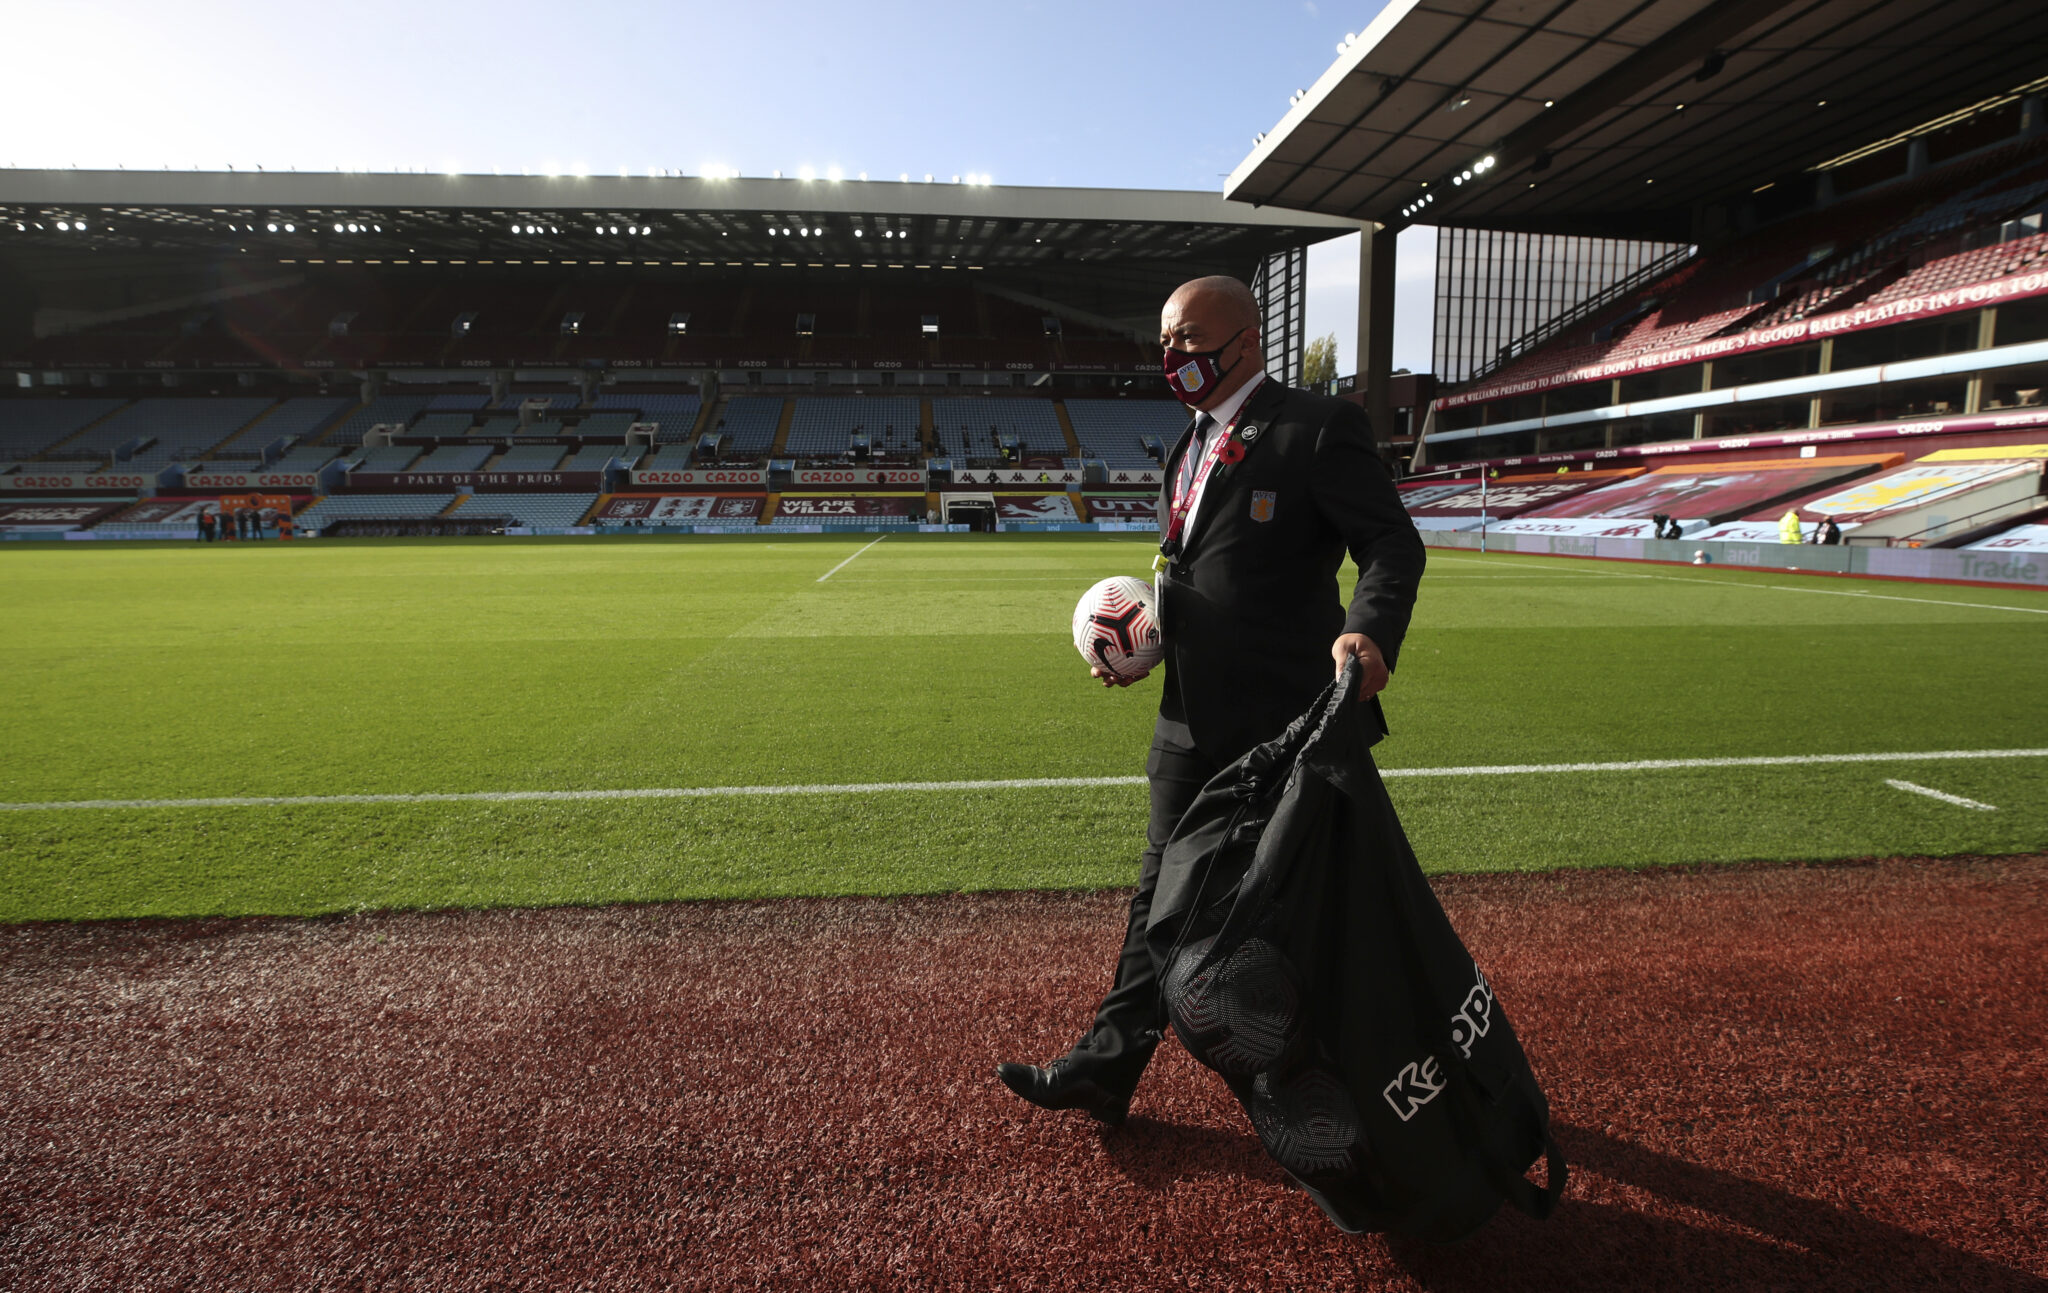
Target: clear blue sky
{"type": "Point", "coordinates": [1113, 95]}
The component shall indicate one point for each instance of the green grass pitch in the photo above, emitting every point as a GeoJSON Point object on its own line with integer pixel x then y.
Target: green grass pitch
{"type": "Point", "coordinates": [147, 671]}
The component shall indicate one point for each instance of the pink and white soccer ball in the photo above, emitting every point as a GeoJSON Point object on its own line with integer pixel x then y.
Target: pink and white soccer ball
{"type": "Point", "coordinates": [1116, 627]}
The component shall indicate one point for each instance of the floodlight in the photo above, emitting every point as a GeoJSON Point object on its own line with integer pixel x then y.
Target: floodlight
{"type": "Point", "coordinates": [806, 174]}
{"type": "Point", "coordinates": [271, 227]}
{"type": "Point", "coordinates": [65, 225]}
{"type": "Point", "coordinates": [291, 228]}
{"type": "Point", "coordinates": [835, 175]}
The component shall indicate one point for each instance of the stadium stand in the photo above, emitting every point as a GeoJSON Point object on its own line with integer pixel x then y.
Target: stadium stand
{"type": "Point", "coordinates": [593, 457]}
{"type": "Point", "coordinates": [749, 422]}
{"type": "Point", "coordinates": [294, 419]}
{"type": "Point", "coordinates": [529, 457]}
{"type": "Point", "coordinates": [1114, 430]}
{"type": "Point", "coordinates": [178, 430]}
{"type": "Point", "coordinates": [615, 424]}
{"type": "Point", "coordinates": [454, 457]}
{"type": "Point", "coordinates": [465, 403]}
{"type": "Point", "coordinates": [29, 427]}
{"type": "Point", "coordinates": [676, 414]}
{"type": "Point", "coordinates": [823, 427]}
{"type": "Point", "coordinates": [398, 409]}
{"type": "Point", "coordinates": [336, 507]}
{"type": "Point", "coordinates": [1949, 228]}
{"type": "Point", "coordinates": [541, 511]}
{"type": "Point", "coordinates": [442, 425]}
{"type": "Point", "coordinates": [387, 459]}
{"type": "Point", "coordinates": [306, 458]}
{"type": "Point", "coordinates": [1031, 422]}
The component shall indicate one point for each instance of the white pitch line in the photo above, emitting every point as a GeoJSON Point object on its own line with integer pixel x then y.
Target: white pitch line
{"type": "Point", "coordinates": [1850, 592]}
{"type": "Point", "coordinates": [849, 561]}
{"type": "Point", "coordinates": [1957, 800]}
{"type": "Point", "coordinates": [1019, 783]}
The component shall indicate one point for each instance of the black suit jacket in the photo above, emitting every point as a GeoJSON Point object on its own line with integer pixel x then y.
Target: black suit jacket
{"type": "Point", "coordinates": [1250, 604]}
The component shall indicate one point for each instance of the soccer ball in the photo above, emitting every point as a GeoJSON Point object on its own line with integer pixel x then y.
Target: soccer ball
{"type": "Point", "coordinates": [1116, 627]}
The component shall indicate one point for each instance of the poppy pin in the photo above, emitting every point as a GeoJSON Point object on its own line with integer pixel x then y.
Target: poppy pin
{"type": "Point", "coordinates": [1231, 452]}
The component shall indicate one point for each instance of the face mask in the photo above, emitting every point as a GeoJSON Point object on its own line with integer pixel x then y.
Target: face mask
{"type": "Point", "coordinates": [1193, 374]}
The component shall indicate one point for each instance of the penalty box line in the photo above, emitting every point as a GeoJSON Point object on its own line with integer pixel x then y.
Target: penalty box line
{"type": "Point", "coordinates": [1018, 783]}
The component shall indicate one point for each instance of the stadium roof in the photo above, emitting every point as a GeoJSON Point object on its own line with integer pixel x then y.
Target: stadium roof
{"type": "Point", "coordinates": [388, 216]}
{"type": "Point", "coordinates": [1618, 116]}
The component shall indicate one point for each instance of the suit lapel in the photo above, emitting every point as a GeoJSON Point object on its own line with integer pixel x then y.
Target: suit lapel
{"type": "Point", "coordinates": [1259, 413]}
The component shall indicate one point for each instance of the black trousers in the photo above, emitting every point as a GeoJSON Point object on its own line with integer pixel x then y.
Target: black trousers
{"type": "Point", "coordinates": [1130, 1021]}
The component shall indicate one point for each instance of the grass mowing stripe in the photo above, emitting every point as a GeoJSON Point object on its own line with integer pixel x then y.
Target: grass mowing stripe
{"type": "Point", "coordinates": [1013, 783]}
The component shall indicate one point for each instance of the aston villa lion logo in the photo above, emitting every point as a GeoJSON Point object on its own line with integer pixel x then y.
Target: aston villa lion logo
{"type": "Point", "coordinates": [1190, 375]}
{"type": "Point", "coordinates": [1262, 504]}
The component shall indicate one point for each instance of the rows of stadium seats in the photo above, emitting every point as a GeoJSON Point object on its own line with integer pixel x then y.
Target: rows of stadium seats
{"type": "Point", "coordinates": [336, 507]}
{"type": "Point", "coordinates": [540, 510]}
{"type": "Point", "coordinates": [1032, 422]}
{"type": "Point", "coordinates": [384, 409]}
{"type": "Point", "coordinates": [295, 419]}
{"type": "Point", "coordinates": [1824, 259]}
{"type": "Point", "coordinates": [182, 430]}
{"type": "Point", "coordinates": [1114, 430]}
{"type": "Point", "coordinates": [749, 423]}
{"type": "Point", "coordinates": [676, 414]}
{"type": "Point", "coordinates": [529, 457]}
{"type": "Point", "coordinates": [396, 457]}
{"type": "Point", "coordinates": [1998, 261]}
{"type": "Point", "coordinates": [820, 428]}
{"type": "Point", "coordinates": [454, 457]}
{"type": "Point", "coordinates": [30, 426]}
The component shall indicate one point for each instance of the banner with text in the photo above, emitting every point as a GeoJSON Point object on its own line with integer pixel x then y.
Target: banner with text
{"type": "Point", "coordinates": [858, 476]}
{"type": "Point", "coordinates": [1122, 507]}
{"type": "Point", "coordinates": [53, 516]}
{"type": "Point", "coordinates": [104, 481]}
{"type": "Point", "coordinates": [812, 507]}
{"type": "Point", "coordinates": [442, 482]}
{"type": "Point", "coordinates": [702, 477]}
{"type": "Point", "coordinates": [244, 480]}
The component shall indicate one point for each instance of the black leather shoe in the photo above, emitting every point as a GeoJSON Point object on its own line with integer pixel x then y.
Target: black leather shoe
{"type": "Point", "coordinates": [1056, 1087]}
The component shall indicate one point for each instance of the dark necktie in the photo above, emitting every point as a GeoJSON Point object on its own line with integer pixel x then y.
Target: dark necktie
{"type": "Point", "coordinates": [1193, 455]}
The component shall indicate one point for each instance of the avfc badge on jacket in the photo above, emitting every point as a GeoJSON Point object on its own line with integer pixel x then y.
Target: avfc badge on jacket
{"type": "Point", "coordinates": [1262, 504]}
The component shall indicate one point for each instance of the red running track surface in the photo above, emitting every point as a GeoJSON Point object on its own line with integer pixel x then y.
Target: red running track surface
{"type": "Point", "coordinates": [1810, 1077]}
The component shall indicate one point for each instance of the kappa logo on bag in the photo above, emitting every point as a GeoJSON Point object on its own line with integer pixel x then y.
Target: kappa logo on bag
{"type": "Point", "coordinates": [1474, 1017]}
{"type": "Point", "coordinates": [1421, 1081]}
{"type": "Point", "coordinates": [1418, 1082]}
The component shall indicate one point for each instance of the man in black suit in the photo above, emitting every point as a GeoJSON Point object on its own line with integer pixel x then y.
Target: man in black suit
{"type": "Point", "coordinates": [1267, 490]}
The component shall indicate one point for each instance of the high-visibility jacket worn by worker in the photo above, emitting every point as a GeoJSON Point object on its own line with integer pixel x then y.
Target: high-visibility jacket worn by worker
{"type": "Point", "coordinates": [1303, 956]}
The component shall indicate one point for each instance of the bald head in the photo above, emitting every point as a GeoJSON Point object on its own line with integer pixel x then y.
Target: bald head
{"type": "Point", "coordinates": [1225, 300]}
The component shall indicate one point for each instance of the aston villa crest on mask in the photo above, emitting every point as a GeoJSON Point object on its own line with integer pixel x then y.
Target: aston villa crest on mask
{"type": "Point", "coordinates": [1190, 373]}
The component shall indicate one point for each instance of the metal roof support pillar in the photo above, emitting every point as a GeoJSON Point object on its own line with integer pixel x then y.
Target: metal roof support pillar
{"type": "Point", "coordinates": [1375, 357]}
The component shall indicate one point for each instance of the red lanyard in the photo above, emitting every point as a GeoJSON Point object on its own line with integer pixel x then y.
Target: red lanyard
{"type": "Point", "coordinates": [1184, 501]}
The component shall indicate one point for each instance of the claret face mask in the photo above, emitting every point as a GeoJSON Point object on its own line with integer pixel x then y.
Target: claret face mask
{"type": "Point", "coordinates": [1193, 374]}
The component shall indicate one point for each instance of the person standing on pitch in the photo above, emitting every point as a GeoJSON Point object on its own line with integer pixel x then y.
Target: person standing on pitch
{"type": "Point", "coordinates": [1267, 490]}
